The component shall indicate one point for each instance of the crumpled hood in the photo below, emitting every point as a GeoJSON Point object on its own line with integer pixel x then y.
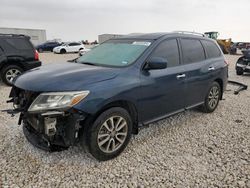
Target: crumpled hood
{"type": "Point", "coordinates": [63, 77]}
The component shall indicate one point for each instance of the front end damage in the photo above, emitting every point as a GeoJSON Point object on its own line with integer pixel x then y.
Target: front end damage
{"type": "Point", "coordinates": [53, 130]}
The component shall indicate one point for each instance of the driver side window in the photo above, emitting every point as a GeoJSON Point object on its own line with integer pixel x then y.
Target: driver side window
{"type": "Point", "coordinates": [168, 50]}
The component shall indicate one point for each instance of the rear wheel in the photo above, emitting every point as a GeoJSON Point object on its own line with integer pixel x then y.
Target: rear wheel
{"type": "Point", "coordinates": [40, 50]}
{"type": "Point", "coordinates": [110, 134]}
{"type": "Point", "coordinates": [9, 73]}
{"type": "Point", "coordinates": [212, 98]}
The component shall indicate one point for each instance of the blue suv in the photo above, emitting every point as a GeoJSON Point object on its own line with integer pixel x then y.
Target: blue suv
{"type": "Point", "coordinates": [103, 97]}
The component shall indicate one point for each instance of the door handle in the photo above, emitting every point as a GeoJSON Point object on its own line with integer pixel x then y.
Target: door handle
{"type": "Point", "coordinates": [179, 76]}
{"type": "Point", "coordinates": [211, 69]}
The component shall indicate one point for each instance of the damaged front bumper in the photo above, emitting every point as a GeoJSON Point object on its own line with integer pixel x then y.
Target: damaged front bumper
{"type": "Point", "coordinates": [53, 130]}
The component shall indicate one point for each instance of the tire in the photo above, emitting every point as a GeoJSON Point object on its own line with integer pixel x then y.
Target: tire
{"type": "Point", "coordinates": [212, 98]}
{"type": "Point", "coordinates": [108, 147]}
{"type": "Point", "coordinates": [239, 71]}
{"type": "Point", "coordinates": [9, 72]}
{"type": "Point", "coordinates": [62, 51]}
{"type": "Point", "coordinates": [40, 50]}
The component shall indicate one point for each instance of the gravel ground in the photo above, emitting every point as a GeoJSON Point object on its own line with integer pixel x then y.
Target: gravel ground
{"type": "Point", "coordinates": [190, 149]}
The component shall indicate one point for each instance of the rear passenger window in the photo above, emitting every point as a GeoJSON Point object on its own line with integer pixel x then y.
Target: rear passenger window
{"type": "Point", "coordinates": [74, 44]}
{"type": "Point", "coordinates": [19, 43]}
{"type": "Point", "coordinates": [212, 49]}
{"type": "Point", "coordinates": [169, 51]}
{"type": "Point", "coordinates": [192, 51]}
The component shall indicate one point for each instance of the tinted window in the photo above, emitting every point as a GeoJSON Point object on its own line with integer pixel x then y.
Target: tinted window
{"type": "Point", "coordinates": [192, 51]}
{"type": "Point", "coordinates": [74, 44]}
{"type": "Point", "coordinates": [19, 43]}
{"type": "Point", "coordinates": [211, 49]}
{"type": "Point", "coordinates": [169, 51]}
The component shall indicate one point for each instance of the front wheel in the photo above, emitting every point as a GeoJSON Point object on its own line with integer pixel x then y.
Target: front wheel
{"type": "Point", "coordinates": [110, 134]}
{"type": "Point", "coordinates": [239, 71]}
{"type": "Point", "coordinates": [62, 51]}
{"type": "Point", "coordinates": [212, 98]}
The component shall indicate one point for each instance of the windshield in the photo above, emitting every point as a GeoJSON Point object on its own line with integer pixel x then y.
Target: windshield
{"type": "Point", "coordinates": [117, 53]}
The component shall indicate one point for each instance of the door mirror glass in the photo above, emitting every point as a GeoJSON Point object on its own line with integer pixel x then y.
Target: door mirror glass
{"type": "Point", "coordinates": [156, 63]}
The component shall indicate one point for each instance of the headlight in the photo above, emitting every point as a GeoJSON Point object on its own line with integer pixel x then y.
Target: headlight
{"type": "Point", "coordinates": [57, 100]}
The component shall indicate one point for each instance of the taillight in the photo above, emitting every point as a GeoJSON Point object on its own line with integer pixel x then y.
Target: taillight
{"type": "Point", "coordinates": [36, 55]}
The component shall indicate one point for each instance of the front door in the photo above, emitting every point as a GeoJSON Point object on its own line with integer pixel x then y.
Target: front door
{"type": "Point", "coordinates": [162, 91]}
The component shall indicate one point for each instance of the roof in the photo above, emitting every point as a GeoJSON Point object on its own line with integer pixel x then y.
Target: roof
{"type": "Point", "coordinates": [148, 36]}
{"type": "Point", "coordinates": [13, 35]}
{"type": "Point", "coordinates": [155, 36]}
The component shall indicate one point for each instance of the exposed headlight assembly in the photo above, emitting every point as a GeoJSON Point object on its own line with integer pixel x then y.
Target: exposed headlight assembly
{"type": "Point", "coordinates": [57, 100]}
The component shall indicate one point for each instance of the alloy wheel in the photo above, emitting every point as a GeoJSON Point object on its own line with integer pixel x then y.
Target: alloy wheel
{"type": "Point", "coordinates": [213, 97]}
{"type": "Point", "coordinates": [11, 74]}
{"type": "Point", "coordinates": [112, 134]}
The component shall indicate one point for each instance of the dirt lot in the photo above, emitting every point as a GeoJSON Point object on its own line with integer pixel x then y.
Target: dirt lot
{"type": "Point", "coordinates": [190, 149]}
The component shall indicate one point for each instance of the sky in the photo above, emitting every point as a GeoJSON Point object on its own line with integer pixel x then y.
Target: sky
{"type": "Point", "coordinates": [75, 20]}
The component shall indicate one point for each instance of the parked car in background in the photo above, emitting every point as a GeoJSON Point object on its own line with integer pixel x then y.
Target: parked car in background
{"type": "Point", "coordinates": [104, 96]}
{"type": "Point", "coordinates": [47, 46]}
{"type": "Point", "coordinates": [84, 51]}
{"type": "Point", "coordinates": [17, 54]}
{"type": "Point", "coordinates": [243, 63]}
{"type": "Point", "coordinates": [242, 45]}
{"type": "Point", "coordinates": [71, 47]}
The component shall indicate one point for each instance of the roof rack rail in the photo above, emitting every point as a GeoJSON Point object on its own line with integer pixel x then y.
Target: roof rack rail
{"type": "Point", "coordinates": [4, 34]}
{"type": "Point", "coordinates": [190, 32]}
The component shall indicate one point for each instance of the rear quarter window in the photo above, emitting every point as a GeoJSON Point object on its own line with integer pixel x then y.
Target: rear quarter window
{"type": "Point", "coordinates": [19, 43]}
{"type": "Point", "coordinates": [211, 48]}
{"type": "Point", "coordinates": [192, 51]}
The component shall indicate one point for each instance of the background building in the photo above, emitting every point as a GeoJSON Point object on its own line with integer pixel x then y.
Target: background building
{"type": "Point", "coordinates": [102, 38]}
{"type": "Point", "coordinates": [37, 36]}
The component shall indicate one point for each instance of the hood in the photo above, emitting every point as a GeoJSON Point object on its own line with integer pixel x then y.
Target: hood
{"type": "Point", "coordinates": [63, 77]}
{"type": "Point", "coordinates": [57, 47]}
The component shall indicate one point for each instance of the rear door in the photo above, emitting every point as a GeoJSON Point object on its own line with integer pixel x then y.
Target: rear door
{"type": "Point", "coordinates": [162, 91]}
{"type": "Point", "coordinates": [196, 71]}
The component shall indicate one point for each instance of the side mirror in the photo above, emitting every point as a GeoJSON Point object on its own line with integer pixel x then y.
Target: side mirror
{"type": "Point", "coordinates": [156, 63]}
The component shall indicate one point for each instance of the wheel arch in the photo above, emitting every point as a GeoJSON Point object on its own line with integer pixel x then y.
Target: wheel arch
{"type": "Point", "coordinates": [127, 105]}
{"type": "Point", "coordinates": [16, 62]}
{"type": "Point", "coordinates": [63, 49]}
{"type": "Point", "coordinates": [220, 82]}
